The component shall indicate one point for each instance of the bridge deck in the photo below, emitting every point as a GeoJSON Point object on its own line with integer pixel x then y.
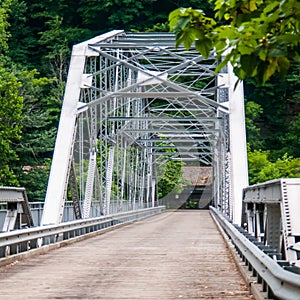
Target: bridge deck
{"type": "Point", "coordinates": [176, 255]}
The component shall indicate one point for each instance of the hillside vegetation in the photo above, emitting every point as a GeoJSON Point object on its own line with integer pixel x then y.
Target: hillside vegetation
{"type": "Point", "coordinates": [35, 42]}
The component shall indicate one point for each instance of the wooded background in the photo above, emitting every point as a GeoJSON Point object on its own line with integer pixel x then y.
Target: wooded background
{"type": "Point", "coordinates": [35, 43]}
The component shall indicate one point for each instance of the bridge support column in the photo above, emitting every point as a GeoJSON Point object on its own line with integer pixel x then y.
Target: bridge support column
{"type": "Point", "coordinates": [238, 146]}
{"type": "Point", "coordinates": [58, 179]}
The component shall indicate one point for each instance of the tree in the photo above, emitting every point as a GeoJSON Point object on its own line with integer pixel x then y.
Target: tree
{"type": "Point", "coordinates": [4, 34]}
{"type": "Point", "coordinates": [40, 118]}
{"type": "Point", "coordinates": [261, 168]}
{"type": "Point", "coordinates": [259, 38]}
{"type": "Point", "coordinates": [253, 112]}
{"type": "Point", "coordinates": [171, 178]}
{"type": "Point", "coordinates": [10, 124]}
{"type": "Point", "coordinates": [291, 140]}
{"type": "Point", "coordinates": [57, 39]}
{"type": "Point", "coordinates": [280, 103]}
{"type": "Point", "coordinates": [21, 41]}
{"type": "Point", "coordinates": [10, 105]}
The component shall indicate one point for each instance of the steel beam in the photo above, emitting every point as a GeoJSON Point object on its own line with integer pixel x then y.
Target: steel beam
{"type": "Point", "coordinates": [237, 140]}
{"type": "Point", "coordinates": [60, 167]}
{"type": "Point", "coordinates": [166, 119]}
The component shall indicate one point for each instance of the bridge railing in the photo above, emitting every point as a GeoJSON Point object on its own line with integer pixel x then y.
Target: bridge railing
{"type": "Point", "coordinates": [276, 281]}
{"type": "Point", "coordinates": [116, 206]}
{"type": "Point", "coordinates": [18, 241]}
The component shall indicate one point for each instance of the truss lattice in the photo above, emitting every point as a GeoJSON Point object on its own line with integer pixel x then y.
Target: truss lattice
{"type": "Point", "coordinates": [133, 102]}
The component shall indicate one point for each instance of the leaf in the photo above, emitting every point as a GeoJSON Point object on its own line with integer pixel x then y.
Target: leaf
{"type": "Point", "coordinates": [227, 16]}
{"type": "Point", "coordinates": [174, 17]}
{"type": "Point", "coordinates": [223, 63]}
{"type": "Point", "coordinates": [248, 63]}
{"type": "Point", "coordinates": [181, 24]}
{"type": "Point", "coordinates": [249, 7]}
{"type": "Point", "coordinates": [186, 38]}
{"type": "Point", "coordinates": [278, 49]}
{"type": "Point", "coordinates": [283, 66]}
{"type": "Point", "coordinates": [252, 6]}
{"type": "Point", "coordinates": [240, 73]}
{"type": "Point", "coordinates": [269, 8]}
{"type": "Point", "coordinates": [289, 38]}
{"type": "Point", "coordinates": [226, 32]}
{"type": "Point", "coordinates": [243, 49]}
{"type": "Point", "coordinates": [271, 67]}
{"type": "Point", "coordinates": [262, 54]}
{"type": "Point", "coordinates": [204, 46]}
{"type": "Point", "coordinates": [220, 45]}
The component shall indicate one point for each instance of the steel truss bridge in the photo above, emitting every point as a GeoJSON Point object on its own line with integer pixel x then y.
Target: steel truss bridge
{"type": "Point", "coordinates": [133, 103]}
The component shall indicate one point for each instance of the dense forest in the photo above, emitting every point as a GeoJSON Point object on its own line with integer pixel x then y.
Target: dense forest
{"type": "Point", "coordinates": [35, 44]}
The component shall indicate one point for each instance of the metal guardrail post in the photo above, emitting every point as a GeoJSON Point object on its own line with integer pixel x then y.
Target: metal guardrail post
{"type": "Point", "coordinates": [281, 283]}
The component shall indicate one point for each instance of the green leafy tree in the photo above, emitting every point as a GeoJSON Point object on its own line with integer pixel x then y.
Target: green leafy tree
{"type": "Point", "coordinates": [10, 105]}
{"type": "Point", "coordinates": [280, 103]}
{"type": "Point", "coordinates": [10, 124]}
{"type": "Point", "coordinates": [260, 39]}
{"type": "Point", "coordinates": [57, 39]}
{"type": "Point", "coordinates": [253, 112]}
{"type": "Point", "coordinates": [291, 140]}
{"type": "Point", "coordinates": [40, 119]}
{"type": "Point", "coordinates": [130, 14]}
{"type": "Point", "coordinates": [4, 24]}
{"type": "Point", "coordinates": [261, 168]}
{"type": "Point", "coordinates": [257, 37]}
{"type": "Point", "coordinates": [272, 122]}
{"type": "Point", "coordinates": [171, 178]}
{"type": "Point", "coordinates": [21, 42]}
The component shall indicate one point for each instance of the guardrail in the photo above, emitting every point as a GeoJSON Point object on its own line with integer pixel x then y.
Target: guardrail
{"type": "Point", "coordinates": [276, 281]}
{"type": "Point", "coordinates": [18, 241]}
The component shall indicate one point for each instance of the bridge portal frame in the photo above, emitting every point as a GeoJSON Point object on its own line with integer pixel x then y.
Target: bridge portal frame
{"type": "Point", "coordinates": [116, 78]}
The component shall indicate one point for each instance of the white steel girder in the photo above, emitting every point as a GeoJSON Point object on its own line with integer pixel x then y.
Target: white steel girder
{"type": "Point", "coordinates": [272, 210]}
{"type": "Point", "coordinates": [132, 98]}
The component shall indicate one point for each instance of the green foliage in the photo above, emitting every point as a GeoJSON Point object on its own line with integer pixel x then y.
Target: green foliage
{"type": "Point", "coordinates": [291, 140]}
{"type": "Point", "coordinates": [57, 38]}
{"type": "Point", "coordinates": [257, 37]}
{"type": "Point", "coordinates": [191, 204]}
{"type": "Point", "coordinates": [40, 118]}
{"type": "Point", "coordinates": [21, 41]}
{"type": "Point", "coordinates": [261, 168]}
{"type": "Point", "coordinates": [10, 124]}
{"type": "Point", "coordinates": [35, 179]}
{"type": "Point", "coordinates": [159, 27]}
{"type": "Point", "coordinates": [4, 34]}
{"type": "Point", "coordinates": [129, 14]}
{"type": "Point", "coordinates": [260, 39]}
{"type": "Point", "coordinates": [35, 42]}
{"type": "Point", "coordinates": [116, 14]}
{"type": "Point", "coordinates": [191, 26]}
{"type": "Point", "coordinates": [171, 179]}
{"type": "Point", "coordinates": [253, 112]}
{"type": "Point", "coordinates": [279, 101]}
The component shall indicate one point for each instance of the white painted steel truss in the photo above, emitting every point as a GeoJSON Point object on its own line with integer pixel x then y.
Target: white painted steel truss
{"type": "Point", "coordinates": [271, 214]}
{"type": "Point", "coordinates": [132, 102]}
